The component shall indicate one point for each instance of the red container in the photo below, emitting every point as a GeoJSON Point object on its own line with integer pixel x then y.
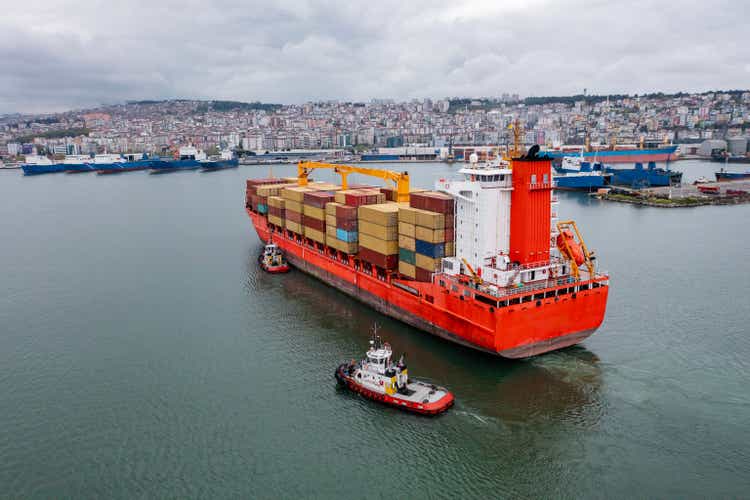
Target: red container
{"type": "Point", "coordinates": [317, 224]}
{"type": "Point", "coordinates": [347, 225]}
{"type": "Point", "coordinates": [293, 216]}
{"type": "Point", "coordinates": [390, 193]}
{"type": "Point", "coordinates": [423, 275]}
{"type": "Point", "coordinates": [450, 234]}
{"type": "Point", "coordinates": [432, 201]}
{"type": "Point", "coordinates": [345, 212]}
{"type": "Point", "coordinates": [378, 259]}
{"type": "Point", "coordinates": [357, 199]}
{"type": "Point", "coordinates": [318, 199]}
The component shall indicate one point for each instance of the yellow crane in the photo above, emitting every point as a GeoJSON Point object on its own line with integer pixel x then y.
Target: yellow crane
{"type": "Point", "coordinates": [399, 179]}
{"type": "Point", "coordinates": [516, 150]}
{"type": "Point", "coordinates": [474, 276]}
{"type": "Point", "coordinates": [568, 248]}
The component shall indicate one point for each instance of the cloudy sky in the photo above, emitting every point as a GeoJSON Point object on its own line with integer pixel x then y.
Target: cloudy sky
{"type": "Point", "coordinates": [62, 54]}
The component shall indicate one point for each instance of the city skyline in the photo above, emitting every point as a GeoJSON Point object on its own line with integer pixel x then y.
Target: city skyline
{"type": "Point", "coordinates": [68, 55]}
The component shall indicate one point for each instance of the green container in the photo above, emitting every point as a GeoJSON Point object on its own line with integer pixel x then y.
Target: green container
{"type": "Point", "coordinates": [407, 256]}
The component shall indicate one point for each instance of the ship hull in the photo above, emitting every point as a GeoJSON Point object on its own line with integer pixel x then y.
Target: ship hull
{"type": "Point", "coordinates": [621, 156]}
{"type": "Point", "coordinates": [579, 182]}
{"type": "Point", "coordinates": [514, 331]}
{"type": "Point", "coordinates": [211, 166]}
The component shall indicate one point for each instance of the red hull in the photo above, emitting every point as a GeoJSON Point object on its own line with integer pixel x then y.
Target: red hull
{"type": "Point", "coordinates": [435, 408]}
{"type": "Point", "coordinates": [514, 327]}
{"type": "Point", "coordinates": [276, 269]}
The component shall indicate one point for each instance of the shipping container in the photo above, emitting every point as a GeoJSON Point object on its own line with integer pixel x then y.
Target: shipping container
{"type": "Point", "coordinates": [275, 220]}
{"type": "Point", "coordinates": [407, 242]}
{"type": "Point", "coordinates": [347, 225]}
{"type": "Point", "coordinates": [384, 214]}
{"type": "Point", "coordinates": [431, 220]}
{"type": "Point", "coordinates": [346, 212]}
{"type": "Point", "coordinates": [294, 193]}
{"type": "Point", "coordinates": [430, 235]}
{"type": "Point", "coordinates": [294, 216]}
{"type": "Point", "coordinates": [378, 231]}
{"type": "Point", "coordinates": [317, 199]}
{"type": "Point", "coordinates": [407, 229]}
{"type": "Point", "coordinates": [384, 247]}
{"type": "Point", "coordinates": [433, 250]}
{"type": "Point", "coordinates": [424, 262]}
{"type": "Point", "coordinates": [407, 269]}
{"type": "Point", "coordinates": [432, 201]}
{"type": "Point", "coordinates": [330, 220]}
{"type": "Point", "coordinates": [407, 214]}
{"type": "Point", "coordinates": [314, 212]}
{"type": "Point", "coordinates": [378, 259]}
{"type": "Point", "coordinates": [347, 236]}
{"type": "Point", "coordinates": [406, 255]}
{"type": "Point", "coordinates": [424, 275]}
{"type": "Point", "coordinates": [315, 235]}
{"type": "Point", "coordinates": [294, 227]}
{"type": "Point", "coordinates": [330, 233]}
{"type": "Point", "coordinates": [294, 206]}
{"type": "Point", "coordinates": [313, 223]}
{"type": "Point", "coordinates": [350, 248]}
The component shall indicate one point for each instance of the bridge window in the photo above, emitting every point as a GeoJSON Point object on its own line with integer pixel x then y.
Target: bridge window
{"type": "Point", "coordinates": [533, 178]}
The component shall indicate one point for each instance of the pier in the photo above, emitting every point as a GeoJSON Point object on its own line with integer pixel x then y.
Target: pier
{"type": "Point", "coordinates": [686, 195]}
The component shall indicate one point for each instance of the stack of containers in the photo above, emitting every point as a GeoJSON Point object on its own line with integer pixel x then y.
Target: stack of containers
{"type": "Point", "coordinates": [341, 227]}
{"type": "Point", "coordinates": [264, 192]}
{"type": "Point", "coordinates": [314, 214]}
{"type": "Point", "coordinates": [431, 218]}
{"type": "Point", "coordinates": [276, 211]}
{"type": "Point", "coordinates": [378, 234]}
{"type": "Point", "coordinates": [293, 197]}
{"type": "Point", "coordinates": [359, 197]}
{"type": "Point", "coordinates": [251, 191]}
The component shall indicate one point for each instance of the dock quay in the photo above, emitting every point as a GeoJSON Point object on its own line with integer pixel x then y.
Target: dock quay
{"type": "Point", "coordinates": [685, 195]}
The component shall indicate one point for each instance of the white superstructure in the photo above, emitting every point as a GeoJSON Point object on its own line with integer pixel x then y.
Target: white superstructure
{"type": "Point", "coordinates": [37, 160]}
{"type": "Point", "coordinates": [482, 225]}
{"type": "Point", "coordinates": [76, 159]}
{"type": "Point", "coordinates": [192, 153]}
{"type": "Point", "coordinates": [108, 158]}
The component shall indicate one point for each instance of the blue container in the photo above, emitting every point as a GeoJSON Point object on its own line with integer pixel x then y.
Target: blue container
{"type": "Point", "coordinates": [434, 250]}
{"type": "Point", "coordinates": [407, 256]}
{"type": "Point", "coordinates": [262, 209]}
{"type": "Point", "coordinates": [347, 236]}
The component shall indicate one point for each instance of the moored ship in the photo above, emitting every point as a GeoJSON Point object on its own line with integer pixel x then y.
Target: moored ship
{"type": "Point", "coordinates": [620, 155]}
{"type": "Point", "coordinates": [488, 273]}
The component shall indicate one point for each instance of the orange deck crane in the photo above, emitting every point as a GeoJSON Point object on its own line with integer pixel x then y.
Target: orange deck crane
{"type": "Point", "coordinates": [400, 179]}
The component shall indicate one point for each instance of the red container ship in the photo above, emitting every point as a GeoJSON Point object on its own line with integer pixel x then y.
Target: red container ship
{"type": "Point", "coordinates": [510, 285]}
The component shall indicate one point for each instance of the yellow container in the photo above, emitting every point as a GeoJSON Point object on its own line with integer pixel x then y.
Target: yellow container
{"type": "Point", "coordinates": [407, 214]}
{"type": "Point", "coordinates": [330, 220]}
{"type": "Point", "coordinates": [343, 246]}
{"type": "Point", "coordinates": [330, 232]}
{"type": "Point", "coordinates": [450, 249]}
{"type": "Point", "coordinates": [315, 235]}
{"type": "Point", "coordinates": [276, 201]}
{"type": "Point", "coordinates": [378, 231]}
{"type": "Point", "coordinates": [294, 193]}
{"type": "Point", "coordinates": [407, 269]}
{"type": "Point", "coordinates": [430, 235]}
{"type": "Point", "coordinates": [294, 206]}
{"type": "Point", "coordinates": [430, 220]}
{"type": "Point", "coordinates": [340, 197]}
{"type": "Point", "coordinates": [407, 229]}
{"type": "Point", "coordinates": [385, 214]}
{"type": "Point", "coordinates": [270, 189]}
{"type": "Point", "coordinates": [407, 242]}
{"type": "Point", "coordinates": [294, 227]}
{"type": "Point", "coordinates": [278, 221]}
{"type": "Point", "coordinates": [314, 212]}
{"type": "Point", "coordinates": [427, 263]}
{"type": "Point", "coordinates": [381, 246]}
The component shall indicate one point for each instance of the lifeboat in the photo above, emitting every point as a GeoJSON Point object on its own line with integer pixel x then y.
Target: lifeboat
{"type": "Point", "coordinates": [272, 260]}
{"type": "Point", "coordinates": [569, 247]}
{"type": "Point", "coordinates": [376, 377]}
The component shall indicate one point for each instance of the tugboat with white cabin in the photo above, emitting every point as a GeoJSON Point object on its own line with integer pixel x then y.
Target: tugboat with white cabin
{"type": "Point", "coordinates": [376, 377]}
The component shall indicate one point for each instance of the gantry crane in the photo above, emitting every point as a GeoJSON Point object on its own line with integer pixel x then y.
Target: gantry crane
{"type": "Point", "coordinates": [400, 179]}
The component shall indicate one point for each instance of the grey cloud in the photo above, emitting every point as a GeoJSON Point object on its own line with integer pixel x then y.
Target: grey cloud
{"type": "Point", "coordinates": [64, 54]}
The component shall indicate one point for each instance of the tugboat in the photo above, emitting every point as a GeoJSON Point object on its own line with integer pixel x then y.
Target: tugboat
{"type": "Point", "coordinates": [272, 260]}
{"type": "Point", "coordinates": [376, 377]}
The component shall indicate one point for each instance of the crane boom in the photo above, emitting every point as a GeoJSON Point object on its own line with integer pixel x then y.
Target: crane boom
{"type": "Point", "coordinates": [400, 179]}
